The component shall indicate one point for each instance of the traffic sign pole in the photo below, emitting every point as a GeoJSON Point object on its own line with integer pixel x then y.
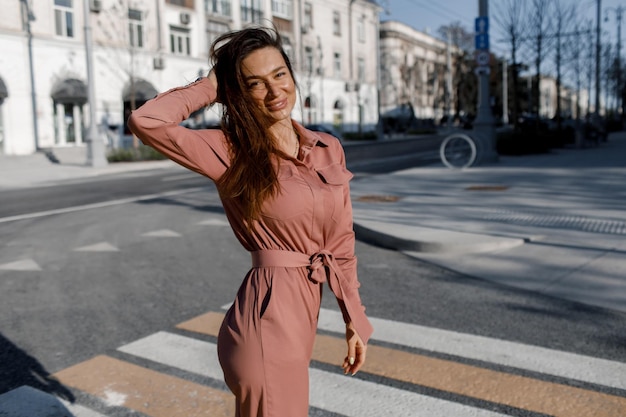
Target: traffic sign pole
{"type": "Point", "coordinates": [484, 129]}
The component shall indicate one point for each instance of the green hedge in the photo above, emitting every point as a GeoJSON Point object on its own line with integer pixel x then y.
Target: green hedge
{"type": "Point", "coordinates": [517, 142]}
{"type": "Point", "coordinates": [142, 153]}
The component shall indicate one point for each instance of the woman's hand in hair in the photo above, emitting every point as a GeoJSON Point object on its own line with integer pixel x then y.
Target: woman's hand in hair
{"type": "Point", "coordinates": [213, 80]}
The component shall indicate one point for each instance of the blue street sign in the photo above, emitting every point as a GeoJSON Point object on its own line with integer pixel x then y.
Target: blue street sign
{"type": "Point", "coordinates": [482, 41]}
{"type": "Point", "coordinates": [481, 24]}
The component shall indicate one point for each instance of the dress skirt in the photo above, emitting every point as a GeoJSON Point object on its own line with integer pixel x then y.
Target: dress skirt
{"type": "Point", "coordinates": [266, 342]}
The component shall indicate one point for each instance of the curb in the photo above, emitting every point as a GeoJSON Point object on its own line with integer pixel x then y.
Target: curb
{"type": "Point", "coordinates": [429, 240]}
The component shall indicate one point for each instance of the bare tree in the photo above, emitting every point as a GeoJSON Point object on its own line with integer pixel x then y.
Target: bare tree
{"type": "Point", "coordinates": [123, 34]}
{"type": "Point", "coordinates": [462, 45]}
{"type": "Point", "coordinates": [540, 39]}
{"type": "Point", "coordinates": [564, 17]}
{"type": "Point", "coordinates": [511, 16]}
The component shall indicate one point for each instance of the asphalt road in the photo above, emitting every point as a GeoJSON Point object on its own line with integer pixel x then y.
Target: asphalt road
{"type": "Point", "coordinates": [171, 257]}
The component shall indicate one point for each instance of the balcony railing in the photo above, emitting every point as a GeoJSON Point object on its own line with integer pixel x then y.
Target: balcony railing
{"type": "Point", "coordinates": [283, 9]}
{"type": "Point", "coordinates": [218, 7]}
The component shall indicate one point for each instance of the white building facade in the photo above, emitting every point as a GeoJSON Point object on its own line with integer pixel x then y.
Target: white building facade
{"type": "Point", "coordinates": [415, 71]}
{"type": "Point", "coordinates": [569, 100]}
{"type": "Point", "coordinates": [143, 47]}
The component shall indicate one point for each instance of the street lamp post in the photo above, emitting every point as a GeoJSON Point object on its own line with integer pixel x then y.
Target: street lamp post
{"type": "Point", "coordinates": [28, 17]}
{"type": "Point", "coordinates": [95, 146]}
{"type": "Point", "coordinates": [598, 12]}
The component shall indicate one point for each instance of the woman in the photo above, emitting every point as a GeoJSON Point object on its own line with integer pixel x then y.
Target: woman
{"type": "Point", "coordinates": [285, 192]}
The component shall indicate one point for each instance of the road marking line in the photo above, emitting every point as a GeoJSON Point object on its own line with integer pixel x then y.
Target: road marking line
{"type": "Point", "coordinates": [214, 222]}
{"type": "Point", "coordinates": [80, 411]}
{"type": "Point", "coordinates": [179, 177]}
{"type": "Point", "coordinates": [162, 233]}
{"type": "Point", "coordinates": [98, 205]}
{"type": "Point", "coordinates": [21, 265]}
{"type": "Point", "coordinates": [97, 247]}
{"type": "Point", "coordinates": [153, 393]}
{"type": "Point", "coordinates": [516, 355]}
{"type": "Point", "coordinates": [334, 392]}
{"type": "Point", "coordinates": [538, 396]}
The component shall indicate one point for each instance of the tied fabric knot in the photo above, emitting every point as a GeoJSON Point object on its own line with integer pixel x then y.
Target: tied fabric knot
{"type": "Point", "coordinates": [322, 267]}
{"type": "Point", "coordinates": [319, 262]}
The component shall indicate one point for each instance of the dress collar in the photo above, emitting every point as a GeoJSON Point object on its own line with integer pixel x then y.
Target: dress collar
{"type": "Point", "coordinates": [308, 138]}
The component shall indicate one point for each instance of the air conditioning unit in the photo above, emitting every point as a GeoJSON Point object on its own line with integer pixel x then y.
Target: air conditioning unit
{"type": "Point", "coordinates": [158, 63]}
{"type": "Point", "coordinates": [185, 18]}
{"type": "Point", "coordinates": [95, 6]}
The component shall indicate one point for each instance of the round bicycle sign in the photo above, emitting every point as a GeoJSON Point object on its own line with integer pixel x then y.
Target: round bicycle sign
{"type": "Point", "coordinates": [482, 58]}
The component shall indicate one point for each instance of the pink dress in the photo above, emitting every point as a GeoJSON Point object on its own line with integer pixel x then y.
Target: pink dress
{"type": "Point", "coordinates": [303, 238]}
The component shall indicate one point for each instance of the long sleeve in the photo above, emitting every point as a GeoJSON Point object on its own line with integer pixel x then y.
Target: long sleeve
{"type": "Point", "coordinates": [342, 244]}
{"type": "Point", "coordinates": [157, 124]}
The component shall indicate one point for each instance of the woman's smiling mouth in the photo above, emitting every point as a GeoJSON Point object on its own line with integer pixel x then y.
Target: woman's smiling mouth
{"type": "Point", "coordinates": [276, 106]}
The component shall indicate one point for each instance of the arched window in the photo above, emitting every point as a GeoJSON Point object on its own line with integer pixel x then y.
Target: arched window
{"type": "Point", "coordinates": [4, 93]}
{"type": "Point", "coordinates": [68, 98]}
{"type": "Point", "coordinates": [310, 110]}
{"type": "Point", "coordinates": [338, 115]}
{"type": "Point", "coordinates": [135, 93]}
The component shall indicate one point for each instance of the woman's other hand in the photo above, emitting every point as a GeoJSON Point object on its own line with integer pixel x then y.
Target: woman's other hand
{"type": "Point", "coordinates": [356, 351]}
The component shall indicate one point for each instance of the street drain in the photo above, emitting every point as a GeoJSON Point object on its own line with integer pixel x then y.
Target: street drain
{"type": "Point", "coordinates": [487, 188]}
{"type": "Point", "coordinates": [378, 198]}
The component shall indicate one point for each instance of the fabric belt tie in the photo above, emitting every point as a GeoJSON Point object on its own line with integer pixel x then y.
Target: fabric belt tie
{"type": "Point", "coordinates": [322, 267]}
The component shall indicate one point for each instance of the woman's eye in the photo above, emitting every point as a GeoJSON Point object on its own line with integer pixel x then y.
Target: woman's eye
{"type": "Point", "coordinates": [280, 74]}
{"type": "Point", "coordinates": [255, 85]}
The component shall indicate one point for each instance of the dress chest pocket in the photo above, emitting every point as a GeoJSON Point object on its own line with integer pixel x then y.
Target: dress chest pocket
{"type": "Point", "coordinates": [336, 176]}
{"type": "Point", "coordinates": [293, 198]}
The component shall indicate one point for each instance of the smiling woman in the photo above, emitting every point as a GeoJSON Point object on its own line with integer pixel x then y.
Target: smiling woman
{"type": "Point", "coordinates": [285, 192]}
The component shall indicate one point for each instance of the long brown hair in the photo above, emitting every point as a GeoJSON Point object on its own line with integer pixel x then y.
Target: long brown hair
{"type": "Point", "coordinates": [252, 176]}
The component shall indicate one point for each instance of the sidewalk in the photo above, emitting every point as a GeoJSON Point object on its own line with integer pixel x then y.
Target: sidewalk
{"type": "Point", "coordinates": [69, 164]}
{"type": "Point", "coordinates": [553, 224]}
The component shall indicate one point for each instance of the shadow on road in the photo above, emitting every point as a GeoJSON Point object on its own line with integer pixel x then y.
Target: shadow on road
{"type": "Point", "coordinates": [18, 368]}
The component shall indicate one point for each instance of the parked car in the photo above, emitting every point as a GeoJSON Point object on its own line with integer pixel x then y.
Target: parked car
{"type": "Point", "coordinates": [318, 127]}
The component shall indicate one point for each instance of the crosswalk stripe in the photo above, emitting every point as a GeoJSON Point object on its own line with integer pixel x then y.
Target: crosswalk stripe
{"type": "Point", "coordinates": [99, 205]}
{"type": "Point", "coordinates": [496, 351]}
{"type": "Point", "coordinates": [329, 391]}
{"type": "Point", "coordinates": [80, 411]}
{"type": "Point", "coordinates": [498, 387]}
{"type": "Point", "coordinates": [155, 394]}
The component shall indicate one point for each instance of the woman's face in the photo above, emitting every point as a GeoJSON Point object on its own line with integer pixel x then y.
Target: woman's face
{"type": "Point", "coordinates": [270, 83]}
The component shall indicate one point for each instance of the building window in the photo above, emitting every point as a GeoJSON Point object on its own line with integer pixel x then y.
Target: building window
{"type": "Point", "coordinates": [336, 23]}
{"type": "Point", "coordinates": [308, 60]}
{"type": "Point", "coordinates": [360, 68]}
{"type": "Point", "coordinates": [282, 8]}
{"type": "Point", "coordinates": [183, 3]}
{"type": "Point", "coordinates": [180, 42]}
{"type": "Point", "coordinates": [360, 28]}
{"type": "Point", "coordinates": [214, 30]}
{"type": "Point", "coordinates": [64, 18]}
{"type": "Point", "coordinates": [310, 110]}
{"type": "Point", "coordinates": [337, 64]}
{"type": "Point", "coordinates": [135, 28]}
{"type": "Point", "coordinates": [308, 16]}
{"type": "Point", "coordinates": [288, 48]}
{"type": "Point", "coordinates": [218, 7]}
{"type": "Point", "coordinates": [251, 11]}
